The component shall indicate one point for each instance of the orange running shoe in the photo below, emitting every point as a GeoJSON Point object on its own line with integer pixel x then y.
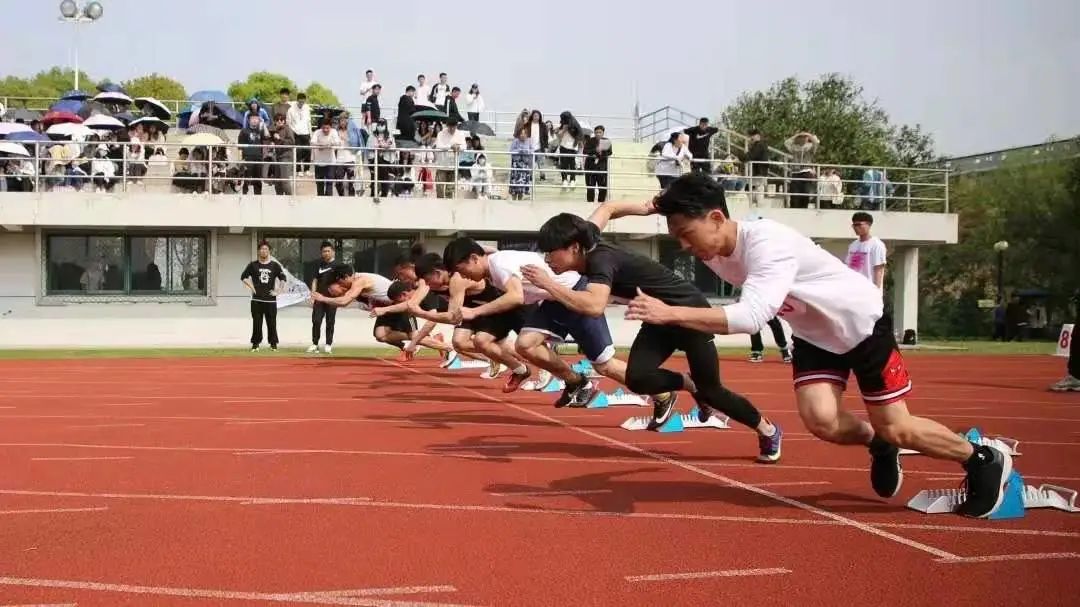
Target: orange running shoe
{"type": "Point", "coordinates": [514, 381]}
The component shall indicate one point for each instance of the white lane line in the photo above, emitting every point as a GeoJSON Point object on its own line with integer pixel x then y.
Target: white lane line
{"type": "Point", "coordinates": [791, 483]}
{"type": "Point", "coordinates": [1036, 556]}
{"type": "Point", "coordinates": [7, 407]}
{"type": "Point", "coordinates": [78, 459]}
{"type": "Point", "coordinates": [110, 426]}
{"type": "Point", "coordinates": [336, 501]}
{"type": "Point", "coordinates": [547, 493]}
{"type": "Point", "coordinates": [698, 575]}
{"type": "Point", "coordinates": [203, 593]}
{"type": "Point", "coordinates": [45, 605]}
{"type": "Point", "coordinates": [265, 421]}
{"type": "Point", "coordinates": [379, 591]}
{"type": "Point", "coordinates": [52, 510]}
{"type": "Point", "coordinates": [698, 470]}
{"type": "Point", "coordinates": [666, 442]}
{"type": "Point", "coordinates": [256, 401]}
{"type": "Point", "coordinates": [121, 405]}
{"type": "Point", "coordinates": [471, 447]}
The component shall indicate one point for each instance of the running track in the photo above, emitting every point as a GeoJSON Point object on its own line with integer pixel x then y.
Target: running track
{"type": "Point", "coordinates": [304, 481]}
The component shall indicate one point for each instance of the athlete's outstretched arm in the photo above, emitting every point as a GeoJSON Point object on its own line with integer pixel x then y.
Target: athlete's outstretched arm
{"type": "Point", "coordinates": [614, 210]}
{"type": "Point", "coordinates": [513, 297]}
{"type": "Point", "coordinates": [359, 285]}
{"type": "Point", "coordinates": [590, 302]}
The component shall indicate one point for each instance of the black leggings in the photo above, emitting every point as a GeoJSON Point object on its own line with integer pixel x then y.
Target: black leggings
{"type": "Point", "coordinates": [756, 345]}
{"type": "Point", "coordinates": [259, 311]}
{"type": "Point", "coordinates": [655, 344]}
{"type": "Point", "coordinates": [318, 311]}
{"type": "Point", "coordinates": [1074, 351]}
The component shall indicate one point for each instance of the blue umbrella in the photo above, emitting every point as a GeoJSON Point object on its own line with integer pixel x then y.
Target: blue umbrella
{"type": "Point", "coordinates": [76, 95]}
{"type": "Point", "coordinates": [67, 105]}
{"type": "Point", "coordinates": [27, 136]}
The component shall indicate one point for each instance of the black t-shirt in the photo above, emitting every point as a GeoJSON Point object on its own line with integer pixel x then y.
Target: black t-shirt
{"type": "Point", "coordinates": [263, 277]}
{"type": "Point", "coordinates": [372, 105]}
{"type": "Point", "coordinates": [625, 272]}
{"type": "Point", "coordinates": [322, 278]}
{"type": "Point", "coordinates": [435, 302]}
{"type": "Point", "coordinates": [699, 140]}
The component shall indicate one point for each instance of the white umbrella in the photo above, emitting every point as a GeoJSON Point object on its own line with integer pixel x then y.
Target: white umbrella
{"type": "Point", "coordinates": [69, 129]}
{"type": "Point", "coordinates": [101, 121]}
{"type": "Point", "coordinates": [108, 97]}
{"type": "Point", "coordinates": [7, 128]}
{"type": "Point", "coordinates": [10, 147]}
{"type": "Point", "coordinates": [148, 120]}
{"type": "Point", "coordinates": [151, 105]}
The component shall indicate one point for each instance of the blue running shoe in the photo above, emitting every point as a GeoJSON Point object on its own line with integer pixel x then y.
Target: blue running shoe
{"type": "Point", "coordinates": [769, 446]}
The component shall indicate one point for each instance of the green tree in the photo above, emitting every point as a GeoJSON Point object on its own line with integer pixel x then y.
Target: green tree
{"type": "Point", "coordinates": [852, 128]}
{"type": "Point", "coordinates": [39, 90]}
{"type": "Point", "coordinates": [263, 86]}
{"type": "Point", "coordinates": [318, 94]}
{"type": "Point", "coordinates": [156, 85]}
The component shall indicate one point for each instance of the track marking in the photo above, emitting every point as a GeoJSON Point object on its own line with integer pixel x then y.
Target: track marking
{"type": "Point", "coordinates": [664, 442]}
{"type": "Point", "coordinates": [701, 471]}
{"type": "Point", "coordinates": [202, 593]}
{"type": "Point", "coordinates": [257, 401]}
{"type": "Point", "coordinates": [120, 405]}
{"type": "Point", "coordinates": [469, 447]}
{"type": "Point", "coordinates": [379, 591]}
{"type": "Point", "coordinates": [1037, 556]}
{"type": "Point", "coordinates": [547, 493]}
{"type": "Point", "coordinates": [791, 483]}
{"type": "Point", "coordinates": [698, 575]}
{"type": "Point", "coordinates": [7, 407]}
{"type": "Point", "coordinates": [45, 605]}
{"type": "Point", "coordinates": [265, 421]}
{"type": "Point", "coordinates": [246, 501]}
{"type": "Point", "coordinates": [361, 420]}
{"type": "Point", "coordinates": [53, 510]}
{"type": "Point", "coordinates": [78, 459]}
{"type": "Point", "coordinates": [109, 426]}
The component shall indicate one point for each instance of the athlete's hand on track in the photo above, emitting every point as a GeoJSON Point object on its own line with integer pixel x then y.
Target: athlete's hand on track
{"type": "Point", "coordinates": [539, 278]}
{"type": "Point", "coordinates": [648, 309]}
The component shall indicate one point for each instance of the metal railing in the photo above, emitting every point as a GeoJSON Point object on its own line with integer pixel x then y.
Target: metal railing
{"type": "Point", "coordinates": [385, 172]}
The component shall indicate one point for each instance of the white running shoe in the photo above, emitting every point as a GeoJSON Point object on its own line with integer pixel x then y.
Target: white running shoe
{"type": "Point", "coordinates": [543, 378]}
{"type": "Point", "coordinates": [449, 360]}
{"type": "Point", "coordinates": [313, 349]}
{"type": "Point", "coordinates": [1067, 384]}
{"type": "Point", "coordinates": [327, 349]}
{"type": "Point", "coordinates": [494, 370]}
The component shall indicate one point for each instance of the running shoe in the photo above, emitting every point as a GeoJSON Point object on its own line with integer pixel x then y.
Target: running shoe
{"type": "Point", "coordinates": [572, 393]}
{"type": "Point", "coordinates": [886, 473]}
{"type": "Point", "coordinates": [1067, 384]}
{"type": "Point", "coordinates": [662, 409]}
{"type": "Point", "coordinates": [255, 348]}
{"type": "Point", "coordinates": [585, 394]}
{"type": "Point", "coordinates": [313, 349]}
{"type": "Point", "coordinates": [494, 370]}
{"type": "Point", "coordinates": [786, 355]}
{"type": "Point", "coordinates": [274, 348]}
{"type": "Point", "coordinates": [757, 357]}
{"type": "Point", "coordinates": [988, 471]}
{"type": "Point", "coordinates": [451, 356]}
{"type": "Point", "coordinates": [543, 378]}
{"type": "Point", "coordinates": [769, 446]}
{"type": "Point", "coordinates": [327, 349]}
{"type": "Point", "coordinates": [514, 381]}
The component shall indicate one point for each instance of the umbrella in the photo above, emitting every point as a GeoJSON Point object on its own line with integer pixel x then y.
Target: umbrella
{"type": "Point", "coordinates": [124, 117]}
{"type": "Point", "coordinates": [114, 97]}
{"type": "Point", "coordinates": [67, 105]}
{"type": "Point", "coordinates": [101, 121]}
{"type": "Point", "coordinates": [203, 139]}
{"type": "Point", "coordinates": [9, 147]}
{"type": "Point", "coordinates": [8, 128]}
{"type": "Point", "coordinates": [148, 120]}
{"type": "Point", "coordinates": [59, 117]}
{"type": "Point", "coordinates": [111, 87]}
{"type": "Point", "coordinates": [22, 114]}
{"type": "Point", "coordinates": [152, 106]}
{"type": "Point", "coordinates": [221, 115]}
{"type": "Point", "coordinates": [68, 129]}
{"type": "Point", "coordinates": [29, 136]}
{"type": "Point", "coordinates": [477, 128]}
{"type": "Point", "coordinates": [75, 95]}
{"type": "Point", "coordinates": [212, 130]}
{"type": "Point", "coordinates": [429, 115]}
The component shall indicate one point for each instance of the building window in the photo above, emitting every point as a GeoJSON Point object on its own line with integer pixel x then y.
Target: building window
{"type": "Point", "coordinates": [300, 254]}
{"type": "Point", "coordinates": [125, 264]}
{"type": "Point", "coordinates": [692, 269]}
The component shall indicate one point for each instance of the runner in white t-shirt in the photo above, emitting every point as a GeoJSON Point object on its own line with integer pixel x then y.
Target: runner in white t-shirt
{"type": "Point", "coordinates": [866, 255]}
{"type": "Point", "coordinates": [838, 326]}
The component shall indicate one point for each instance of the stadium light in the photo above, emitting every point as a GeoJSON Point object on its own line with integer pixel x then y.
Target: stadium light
{"type": "Point", "coordinates": [1001, 246]}
{"type": "Point", "coordinates": [71, 12]}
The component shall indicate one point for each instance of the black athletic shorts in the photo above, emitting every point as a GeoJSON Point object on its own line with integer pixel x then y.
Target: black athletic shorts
{"type": "Point", "coordinates": [435, 302]}
{"type": "Point", "coordinates": [876, 362]}
{"type": "Point", "coordinates": [499, 326]}
{"type": "Point", "coordinates": [401, 322]}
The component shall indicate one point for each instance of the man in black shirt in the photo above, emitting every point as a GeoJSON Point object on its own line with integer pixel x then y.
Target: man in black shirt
{"type": "Point", "coordinates": [597, 150]}
{"type": "Point", "coordinates": [320, 310]}
{"type": "Point", "coordinates": [700, 139]}
{"type": "Point", "coordinates": [371, 110]}
{"type": "Point", "coordinates": [261, 277]}
{"type": "Point", "coordinates": [571, 243]}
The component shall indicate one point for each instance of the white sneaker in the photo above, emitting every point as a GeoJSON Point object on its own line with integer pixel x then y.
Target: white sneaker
{"type": "Point", "coordinates": [543, 378]}
{"type": "Point", "coordinates": [1067, 384]}
{"type": "Point", "coordinates": [494, 370]}
{"type": "Point", "coordinates": [327, 349]}
{"type": "Point", "coordinates": [449, 360]}
{"type": "Point", "coordinates": [313, 349]}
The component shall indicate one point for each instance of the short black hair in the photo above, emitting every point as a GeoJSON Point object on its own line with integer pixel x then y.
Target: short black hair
{"type": "Point", "coordinates": [326, 243]}
{"type": "Point", "coordinates": [398, 288]}
{"type": "Point", "coordinates": [693, 195]}
{"type": "Point", "coordinates": [376, 86]}
{"type": "Point", "coordinates": [339, 271]}
{"type": "Point", "coordinates": [703, 119]}
{"type": "Point", "coordinates": [456, 89]}
{"type": "Point", "coordinates": [862, 216]}
{"type": "Point", "coordinates": [427, 263]}
{"type": "Point", "coordinates": [459, 250]}
{"type": "Point", "coordinates": [564, 230]}
{"type": "Point", "coordinates": [284, 91]}
{"type": "Point", "coordinates": [410, 89]}
{"type": "Point", "coordinates": [419, 76]}
{"type": "Point", "coordinates": [263, 243]}
{"type": "Point", "coordinates": [441, 74]}
{"type": "Point", "coordinates": [753, 132]}
{"type": "Point", "coordinates": [302, 96]}
{"type": "Point", "coordinates": [370, 72]}
{"type": "Point", "coordinates": [416, 251]}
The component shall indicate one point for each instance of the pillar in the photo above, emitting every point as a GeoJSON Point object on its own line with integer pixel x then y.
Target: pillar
{"type": "Point", "coordinates": [905, 268]}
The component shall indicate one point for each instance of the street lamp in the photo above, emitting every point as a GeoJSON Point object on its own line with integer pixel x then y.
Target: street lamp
{"type": "Point", "coordinates": [71, 12]}
{"type": "Point", "coordinates": [1001, 246]}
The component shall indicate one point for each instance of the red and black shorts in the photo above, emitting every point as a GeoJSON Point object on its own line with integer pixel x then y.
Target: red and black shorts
{"type": "Point", "coordinates": [876, 362]}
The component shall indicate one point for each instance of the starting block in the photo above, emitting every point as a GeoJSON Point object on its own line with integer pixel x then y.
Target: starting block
{"type": "Point", "coordinates": [1008, 445]}
{"type": "Point", "coordinates": [461, 363]}
{"type": "Point", "coordinates": [555, 385]}
{"type": "Point", "coordinates": [585, 368]}
{"type": "Point", "coordinates": [618, 397]}
{"type": "Point", "coordinates": [1018, 498]}
{"type": "Point", "coordinates": [678, 423]}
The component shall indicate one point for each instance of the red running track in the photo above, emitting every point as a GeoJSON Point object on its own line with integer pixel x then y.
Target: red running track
{"type": "Point", "coordinates": [304, 481]}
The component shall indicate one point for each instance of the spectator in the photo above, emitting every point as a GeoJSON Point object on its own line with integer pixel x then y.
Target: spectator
{"type": "Point", "coordinates": [539, 135]}
{"type": "Point", "coordinates": [699, 146]}
{"type": "Point", "coordinates": [324, 144]}
{"type": "Point", "coordinates": [873, 188]}
{"type": "Point", "coordinates": [757, 158]}
{"type": "Point", "coordinates": [451, 107]}
{"type": "Point", "coordinates": [102, 170]}
{"type": "Point", "coordinates": [570, 137]}
{"type": "Point", "coordinates": [521, 164]}
{"type": "Point", "coordinates": [830, 189]}
{"type": "Point", "coordinates": [320, 310]}
{"type": "Point", "coordinates": [673, 157]}
{"type": "Point", "coordinates": [406, 106]}
{"type": "Point", "coordinates": [423, 91]}
{"type": "Point", "coordinates": [474, 103]}
{"type": "Point", "coordinates": [261, 277]}
{"type": "Point", "coordinates": [425, 136]}
{"type": "Point", "coordinates": [440, 91]}
{"type": "Point", "coordinates": [384, 167]}
{"type": "Point", "coordinates": [154, 139]}
{"type": "Point", "coordinates": [866, 254]}
{"type": "Point", "coordinates": [803, 147]}
{"type": "Point", "coordinates": [597, 150]}
{"type": "Point", "coordinates": [1071, 381]}
{"type": "Point", "coordinates": [252, 153]}
{"type": "Point", "coordinates": [450, 142]}
{"type": "Point", "coordinates": [481, 177]}
{"type": "Point", "coordinates": [346, 160]}
{"type": "Point", "coordinates": [283, 105]}
{"type": "Point", "coordinates": [255, 108]}
{"type": "Point", "coordinates": [368, 84]}
{"type": "Point", "coordinates": [371, 109]}
{"type": "Point", "coordinates": [284, 155]}
{"type": "Point", "coordinates": [298, 119]}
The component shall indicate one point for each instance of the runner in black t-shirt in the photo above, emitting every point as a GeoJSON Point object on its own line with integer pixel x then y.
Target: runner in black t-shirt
{"type": "Point", "coordinates": [320, 310]}
{"type": "Point", "coordinates": [261, 276]}
{"type": "Point", "coordinates": [571, 243]}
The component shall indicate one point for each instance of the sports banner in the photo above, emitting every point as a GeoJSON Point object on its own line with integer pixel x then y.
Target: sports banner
{"type": "Point", "coordinates": [295, 292]}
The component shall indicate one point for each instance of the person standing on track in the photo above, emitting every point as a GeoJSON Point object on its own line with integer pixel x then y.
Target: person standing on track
{"type": "Point", "coordinates": [319, 310]}
{"type": "Point", "coordinates": [574, 244]}
{"type": "Point", "coordinates": [261, 277]}
{"type": "Point", "coordinates": [839, 326]}
{"type": "Point", "coordinates": [757, 346]}
{"type": "Point", "coordinates": [1071, 381]}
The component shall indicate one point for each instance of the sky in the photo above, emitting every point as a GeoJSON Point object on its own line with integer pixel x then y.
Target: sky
{"type": "Point", "coordinates": [979, 75]}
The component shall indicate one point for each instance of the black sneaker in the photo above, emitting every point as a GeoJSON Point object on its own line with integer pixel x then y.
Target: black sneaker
{"type": "Point", "coordinates": [662, 409]}
{"type": "Point", "coordinates": [569, 393]}
{"type": "Point", "coordinates": [786, 355]}
{"type": "Point", "coordinates": [886, 473]}
{"type": "Point", "coordinates": [584, 395]}
{"type": "Point", "coordinates": [988, 471]}
{"type": "Point", "coordinates": [255, 348]}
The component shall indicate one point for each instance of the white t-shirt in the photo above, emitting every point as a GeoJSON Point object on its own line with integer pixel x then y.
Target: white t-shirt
{"type": "Point", "coordinates": [864, 255]}
{"type": "Point", "coordinates": [366, 86]}
{"type": "Point", "coordinates": [783, 273]}
{"type": "Point", "coordinates": [505, 265]}
{"type": "Point", "coordinates": [377, 294]}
